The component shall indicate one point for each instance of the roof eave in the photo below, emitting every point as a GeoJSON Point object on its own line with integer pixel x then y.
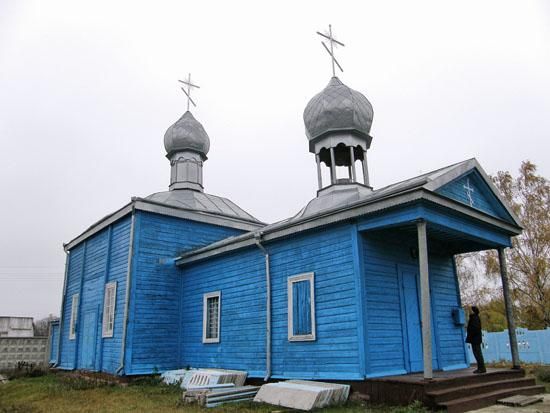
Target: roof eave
{"type": "Point", "coordinates": [164, 209]}
{"type": "Point", "coordinates": [335, 216]}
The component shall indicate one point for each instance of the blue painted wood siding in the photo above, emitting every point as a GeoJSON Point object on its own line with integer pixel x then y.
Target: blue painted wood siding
{"type": "Point", "coordinates": [482, 196]}
{"type": "Point", "coordinates": [386, 352]}
{"type": "Point", "coordinates": [240, 277]}
{"type": "Point", "coordinates": [154, 328]}
{"type": "Point", "coordinates": [88, 263]}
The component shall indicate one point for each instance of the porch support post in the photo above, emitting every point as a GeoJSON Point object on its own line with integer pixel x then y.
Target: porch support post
{"type": "Point", "coordinates": [425, 299]}
{"type": "Point", "coordinates": [509, 308]}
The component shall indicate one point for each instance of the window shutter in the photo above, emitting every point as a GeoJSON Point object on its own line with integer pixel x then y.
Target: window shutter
{"type": "Point", "coordinates": [302, 307]}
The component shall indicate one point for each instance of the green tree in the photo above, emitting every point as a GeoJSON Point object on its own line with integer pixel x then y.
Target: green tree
{"type": "Point", "coordinates": [528, 195]}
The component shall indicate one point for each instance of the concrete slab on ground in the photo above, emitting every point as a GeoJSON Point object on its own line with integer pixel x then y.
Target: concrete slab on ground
{"type": "Point", "coordinates": [543, 407]}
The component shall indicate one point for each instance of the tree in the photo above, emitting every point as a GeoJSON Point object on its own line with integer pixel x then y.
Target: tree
{"type": "Point", "coordinates": [529, 260]}
{"type": "Point", "coordinates": [41, 326]}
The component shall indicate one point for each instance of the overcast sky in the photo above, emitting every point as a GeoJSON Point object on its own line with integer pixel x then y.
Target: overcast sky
{"type": "Point", "coordinates": [88, 88]}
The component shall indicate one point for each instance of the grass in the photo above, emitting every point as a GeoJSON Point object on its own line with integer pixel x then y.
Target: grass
{"type": "Point", "coordinates": [61, 393]}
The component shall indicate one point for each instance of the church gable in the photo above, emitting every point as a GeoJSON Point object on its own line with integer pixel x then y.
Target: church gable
{"type": "Point", "coordinates": [472, 190]}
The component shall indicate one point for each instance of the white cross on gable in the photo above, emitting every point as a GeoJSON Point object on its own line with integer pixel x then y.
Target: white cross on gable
{"type": "Point", "coordinates": [469, 191]}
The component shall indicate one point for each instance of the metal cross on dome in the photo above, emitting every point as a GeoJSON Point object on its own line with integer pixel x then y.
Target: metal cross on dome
{"type": "Point", "coordinates": [188, 92]}
{"type": "Point", "coordinates": [469, 191]}
{"type": "Point", "coordinates": [333, 42]}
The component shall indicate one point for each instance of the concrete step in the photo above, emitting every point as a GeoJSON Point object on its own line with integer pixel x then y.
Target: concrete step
{"type": "Point", "coordinates": [479, 401]}
{"type": "Point", "coordinates": [453, 393]}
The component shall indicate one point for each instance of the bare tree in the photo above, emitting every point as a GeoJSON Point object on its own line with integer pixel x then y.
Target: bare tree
{"type": "Point", "coordinates": [41, 326]}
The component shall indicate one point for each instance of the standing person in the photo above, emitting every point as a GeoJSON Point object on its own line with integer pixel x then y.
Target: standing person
{"type": "Point", "coordinates": [475, 339]}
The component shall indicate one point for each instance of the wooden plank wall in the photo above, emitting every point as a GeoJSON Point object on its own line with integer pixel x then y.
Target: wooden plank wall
{"type": "Point", "coordinates": [154, 320]}
{"type": "Point", "coordinates": [241, 279]}
{"type": "Point", "coordinates": [386, 354]}
{"type": "Point", "coordinates": [482, 195]}
{"type": "Point", "coordinates": [102, 257]}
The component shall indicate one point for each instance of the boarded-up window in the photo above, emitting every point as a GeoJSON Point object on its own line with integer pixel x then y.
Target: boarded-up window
{"type": "Point", "coordinates": [301, 307]}
{"type": "Point", "coordinates": [74, 315]}
{"type": "Point", "coordinates": [211, 317]}
{"type": "Point", "coordinates": [109, 309]}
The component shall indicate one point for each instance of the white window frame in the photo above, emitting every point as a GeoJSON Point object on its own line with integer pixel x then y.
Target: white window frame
{"type": "Point", "coordinates": [310, 276]}
{"type": "Point", "coordinates": [205, 316]}
{"type": "Point", "coordinates": [109, 311]}
{"type": "Point", "coordinates": [74, 316]}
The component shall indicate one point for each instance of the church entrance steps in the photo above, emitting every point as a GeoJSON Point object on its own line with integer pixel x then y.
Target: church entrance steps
{"type": "Point", "coordinates": [452, 393]}
{"type": "Point", "coordinates": [487, 399]}
{"type": "Point", "coordinates": [455, 391]}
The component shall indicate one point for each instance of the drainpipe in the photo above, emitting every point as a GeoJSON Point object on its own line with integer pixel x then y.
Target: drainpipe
{"type": "Point", "coordinates": [63, 299]}
{"type": "Point", "coordinates": [128, 285]}
{"type": "Point", "coordinates": [258, 240]}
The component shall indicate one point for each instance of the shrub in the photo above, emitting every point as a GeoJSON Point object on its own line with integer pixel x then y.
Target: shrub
{"type": "Point", "coordinates": [543, 374]}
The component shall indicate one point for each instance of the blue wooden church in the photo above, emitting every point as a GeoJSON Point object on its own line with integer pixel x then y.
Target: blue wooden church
{"type": "Point", "coordinates": [360, 283]}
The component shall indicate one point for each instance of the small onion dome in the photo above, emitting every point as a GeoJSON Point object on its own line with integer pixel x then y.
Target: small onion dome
{"type": "Point", "coordinates": [187, 134]}
{"type": "Point", "coordinates": [337, 108]}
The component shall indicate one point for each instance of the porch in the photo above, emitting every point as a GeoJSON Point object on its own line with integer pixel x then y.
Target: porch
{"type": "Point", "coordinates": [455, 391]}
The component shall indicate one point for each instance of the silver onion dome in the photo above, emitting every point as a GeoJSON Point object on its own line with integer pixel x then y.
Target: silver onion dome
{"type": "Point", "coordinates": [337, 108]}
{"type": "Point", "coordinates": [187, 134]}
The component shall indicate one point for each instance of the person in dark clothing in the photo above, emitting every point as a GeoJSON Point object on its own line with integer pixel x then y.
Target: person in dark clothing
{"type": "Point", "coordinates": [474, 338]}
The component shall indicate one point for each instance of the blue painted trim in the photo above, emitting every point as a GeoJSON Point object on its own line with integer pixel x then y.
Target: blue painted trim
{"type": "Point", "coordinates": [393, 218]}
{"type": "Point", "coordinates": [398, 372]}
{"type": "Point", "coordinates": [79, 312]}
{"type": "Point", "coordinates": [180, 312]}
{"type": "Point", "coordinates": [132, 297]}
{"type": "Point", "coordinates": [467, 227]}
{"type": "Point", "coordinates": [445, 219]}
{"type": "Point", "coordinates": [102, 298]}
{"type": "Point", "coordinates": [406, 354]}
{"type": "Point", "coordinates": [63, 305]}
{"type": "Point", "coordinates": [459, 300]}
{"type": "Point", "coordinates": [438, 361]}
{"type": "Point", "coordinates": [322, 376]}
{"type": "Point", "coordinates": [357, 253]}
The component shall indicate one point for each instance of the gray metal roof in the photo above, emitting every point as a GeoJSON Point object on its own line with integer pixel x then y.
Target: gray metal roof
{"type": "Point", "coordinates": [186, 134]}
{"type": "Point", "coordinates": [353, 200]}
{"type": "Point", "coordinates": [337, 108]}
{"type": "Point", "coordinates": [199, 201]}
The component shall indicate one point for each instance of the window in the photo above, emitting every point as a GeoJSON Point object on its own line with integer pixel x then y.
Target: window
{"type": "Point", "coordinates": [211, 317]}
{"type": "Point", "coordinates": [74, 315]}
{"type": "Point", "coordinates": [301, 307]}
{"type": "Point", "coordinates": [109, 309]}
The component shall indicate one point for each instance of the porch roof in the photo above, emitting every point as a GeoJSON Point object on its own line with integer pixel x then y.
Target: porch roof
{"type": "Point", "coordinates": [384, 208]}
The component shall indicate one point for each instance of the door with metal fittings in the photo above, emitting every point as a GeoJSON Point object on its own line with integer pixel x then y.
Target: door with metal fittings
{"type": "Point", "coordinates": [412, 324]}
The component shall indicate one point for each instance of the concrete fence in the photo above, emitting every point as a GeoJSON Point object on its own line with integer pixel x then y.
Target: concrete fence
{"type": "Point", "coordinates": [23, 349]}
{"type": "Point", "coordinates": [533, 346]}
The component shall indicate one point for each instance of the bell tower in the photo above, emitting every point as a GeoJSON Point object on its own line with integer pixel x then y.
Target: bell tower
{"type": "Point", "coordinates": [338, 122]}
{"type": "Point", "coordinates": [187, 144]}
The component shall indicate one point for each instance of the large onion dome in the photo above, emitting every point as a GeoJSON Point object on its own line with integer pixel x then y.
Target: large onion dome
{"type": "Point", "coordinates": [338, 108]}
{"type": "Point", "coordinates": [187, 134]}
